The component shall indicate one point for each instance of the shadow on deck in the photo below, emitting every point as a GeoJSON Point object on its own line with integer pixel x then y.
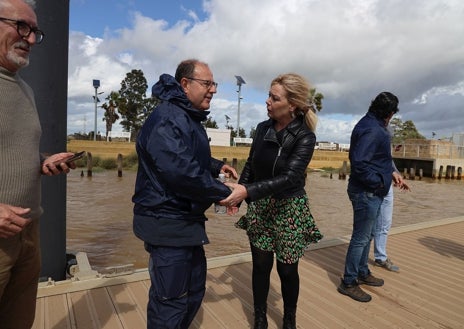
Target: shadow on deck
{"type": "Point", "coordinates": [428, 292]}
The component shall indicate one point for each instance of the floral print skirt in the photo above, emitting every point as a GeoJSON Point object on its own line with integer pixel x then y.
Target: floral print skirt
{"type": "Point", "coordinates": [284, 226]}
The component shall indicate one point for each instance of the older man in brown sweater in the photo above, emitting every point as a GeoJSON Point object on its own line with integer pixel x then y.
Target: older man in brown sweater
{"type": "Point", "coordinates": [21, 166]}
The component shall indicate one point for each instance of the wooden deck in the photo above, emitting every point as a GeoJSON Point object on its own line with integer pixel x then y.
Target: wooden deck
{"type": "Point", "coordinates": [428, 292]}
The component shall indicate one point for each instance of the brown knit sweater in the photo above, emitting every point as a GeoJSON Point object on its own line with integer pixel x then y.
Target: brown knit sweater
{"type": "Point", "coordinates": [20, 133]}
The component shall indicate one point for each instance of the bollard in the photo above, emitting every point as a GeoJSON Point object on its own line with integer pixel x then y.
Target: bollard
{"type": "Point", "coordinates": [453, 171]}
{"type": "Point", "coordinates": [440, 172]}
{"type": "Point", "coordinates": [459, 173]}
{"type": "Point", "coordinates": [412, 174]}
{"type": "Point", "coordinates": [405, 172]}
{"type": "Point", "coordinates": [234, 163]}
{"type": "Point", "coordinates": [119, 162]}
{"type": "Point", "coordinates": [421, 173]}
{"type": "Point", "coordinates": [89, 164]}
{"type": "Point", "coordinates": [448, 172]}
{"type": "Point", "coordinates": [342, 173]}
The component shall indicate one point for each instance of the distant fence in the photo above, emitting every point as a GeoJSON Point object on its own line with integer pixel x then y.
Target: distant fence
{"type": "Point", "coordinates": [238, 140]}
{"type": "Point", "coordinates": [118, 134]}
{"type": "Point", "coordinates": [428, 151]}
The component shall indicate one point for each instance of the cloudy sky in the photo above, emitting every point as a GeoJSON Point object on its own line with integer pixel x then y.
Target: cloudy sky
{"type": "Point", "coordinates": [349, 50]}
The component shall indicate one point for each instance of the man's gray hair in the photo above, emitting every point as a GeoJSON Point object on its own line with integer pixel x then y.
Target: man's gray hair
{"type": "Point", "coordinates": [30, 3]}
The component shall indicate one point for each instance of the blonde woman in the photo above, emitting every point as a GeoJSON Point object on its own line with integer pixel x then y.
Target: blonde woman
{"type": "Point", "coordinates": [278, 219]}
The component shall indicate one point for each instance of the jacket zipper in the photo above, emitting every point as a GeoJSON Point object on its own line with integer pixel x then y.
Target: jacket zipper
{"type": "Point", "coordinates": [275, 161]}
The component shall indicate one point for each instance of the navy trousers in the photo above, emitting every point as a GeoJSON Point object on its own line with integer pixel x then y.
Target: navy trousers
{"type": "Point", "coordinates": [178, 279]}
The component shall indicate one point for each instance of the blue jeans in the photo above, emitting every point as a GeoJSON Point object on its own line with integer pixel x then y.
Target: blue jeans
{"type": "Point", "coordinates": [366, 207]}
{"type": "Point", "coordinates": [178, 280]}
{"type": "Point", "coordinates": [382, 227]}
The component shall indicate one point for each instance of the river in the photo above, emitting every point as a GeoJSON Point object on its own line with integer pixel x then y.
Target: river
{"type": "Point", "coordinates": [99, 214]}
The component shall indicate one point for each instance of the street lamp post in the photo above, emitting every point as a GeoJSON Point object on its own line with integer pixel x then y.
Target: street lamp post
{"type": "Point", "coordinates": [240, 81]}
{"type": "Point", "coordinates": [96, 84]}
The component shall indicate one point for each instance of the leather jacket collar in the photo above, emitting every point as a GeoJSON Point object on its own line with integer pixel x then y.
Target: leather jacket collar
{"type": "Point", "coordinates": [291, 129]}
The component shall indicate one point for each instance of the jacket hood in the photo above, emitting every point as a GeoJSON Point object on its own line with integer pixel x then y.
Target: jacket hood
{"type": "Point", "coordinates": [168, 89]}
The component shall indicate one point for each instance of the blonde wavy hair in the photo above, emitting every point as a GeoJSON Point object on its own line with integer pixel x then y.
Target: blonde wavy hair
{"type": "Point", "coordinates": [299, 94]}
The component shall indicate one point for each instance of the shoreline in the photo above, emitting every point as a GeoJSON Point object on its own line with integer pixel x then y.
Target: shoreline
{"type": "Point", "coordinates": [103, 149]}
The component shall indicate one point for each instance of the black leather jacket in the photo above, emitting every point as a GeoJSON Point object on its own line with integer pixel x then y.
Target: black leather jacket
{"type": "Point", "coordinates": [278, 168]}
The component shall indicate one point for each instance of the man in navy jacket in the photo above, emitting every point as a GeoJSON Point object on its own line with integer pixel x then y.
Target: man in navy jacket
{"type": "Point", "coordinates": [370, 180]}
{"type": "Point", "coordinates": [176, 183]}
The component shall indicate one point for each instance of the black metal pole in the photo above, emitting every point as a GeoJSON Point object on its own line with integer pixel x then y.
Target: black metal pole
{"type": "Point", "coordinates": [47, 74]}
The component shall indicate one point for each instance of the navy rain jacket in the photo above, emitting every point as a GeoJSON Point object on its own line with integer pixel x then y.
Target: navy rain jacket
{"type": "Point", "coordinates": [176, 181]}
{"type": "Point", "coordinates": [370, 157]}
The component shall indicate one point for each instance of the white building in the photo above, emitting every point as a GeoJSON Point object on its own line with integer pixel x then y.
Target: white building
{"type": "Point", "coordinates": [218, 137]}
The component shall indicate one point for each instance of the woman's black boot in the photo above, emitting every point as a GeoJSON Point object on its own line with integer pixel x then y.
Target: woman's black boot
{"type": "Point", "coordinates": [289, 318]}
{"type": "Point", "coordinates": [260, 317]}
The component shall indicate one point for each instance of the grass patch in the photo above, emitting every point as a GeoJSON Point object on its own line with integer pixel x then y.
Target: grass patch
{"type": "Point", "coordinates": [129, 162]}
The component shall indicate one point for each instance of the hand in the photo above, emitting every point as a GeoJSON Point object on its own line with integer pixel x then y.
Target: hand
{"type": "Point", "coordinates": [239, 193]}
{"type": "Point", "coordinates": [50, 167]}
{"type": "Point", "coordinates": [229, 171]}
{"type": "Point", "coordinates": [404, 187]}
{"type": "Point", "coordinates": [397, 178]}
{"type": "Point", "coordinates": [232, 210]}
{"type": "Point", "coordinates": [399, 182]}
{"type": "Point", "coordinates": [11, 220]}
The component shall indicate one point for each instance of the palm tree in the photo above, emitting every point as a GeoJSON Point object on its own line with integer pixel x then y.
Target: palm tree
{"type": "Point", "coordinates": [110, 116]}
{"type": "Point", "coordinates": [316, 100]}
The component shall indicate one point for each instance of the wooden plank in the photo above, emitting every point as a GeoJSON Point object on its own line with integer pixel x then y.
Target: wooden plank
{"type": "Point", "coordinates": [129, 311]}
{"type": "Point", "coordinates": [94, 309]}
{"type": "Point", "coordinates": [426, 293]}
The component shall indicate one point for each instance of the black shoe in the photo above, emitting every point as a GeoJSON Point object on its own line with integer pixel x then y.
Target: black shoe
{"type": "Point", "coordinates": [260, 317]}
{"type": "Point", "coordinates": [354, 291]}
{"type": "Point", "coordinates": [289, 318]}
{"type": "Point", "coordinates": [370, 280]}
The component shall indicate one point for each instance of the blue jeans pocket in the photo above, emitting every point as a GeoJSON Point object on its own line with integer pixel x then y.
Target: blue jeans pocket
{"type": "Point", "coordinates": [370, 194]}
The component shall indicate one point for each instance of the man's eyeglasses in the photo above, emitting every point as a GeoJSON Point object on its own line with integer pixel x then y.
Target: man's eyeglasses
{"type": "Point", "coordinates": [24, 30]}
{"type": "Point", "coordinates": [206, 83]}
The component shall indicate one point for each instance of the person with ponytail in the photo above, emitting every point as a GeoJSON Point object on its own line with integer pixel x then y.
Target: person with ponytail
{"type": "Point", "coordinates": [278, 218]}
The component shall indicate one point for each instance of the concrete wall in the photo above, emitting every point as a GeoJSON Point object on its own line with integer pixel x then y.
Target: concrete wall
{"type": "Point", "coordinates": [432, 149]}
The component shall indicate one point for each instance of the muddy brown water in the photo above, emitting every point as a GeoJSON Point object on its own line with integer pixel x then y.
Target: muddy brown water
{"type": "Point", "coordinates": [99, 215]}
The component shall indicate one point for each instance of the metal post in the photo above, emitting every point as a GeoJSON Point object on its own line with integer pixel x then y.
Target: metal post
{"type": "Point", "coordinates": [95, 126]}
{"type": "Point", "coordinates": [240, 81]}
{"type": "Point", "coordinates": [49, 80]}
{"type": "Point", "coordinates": [238, 110]}
{"type": "Point", "coordinates": [96, 84]}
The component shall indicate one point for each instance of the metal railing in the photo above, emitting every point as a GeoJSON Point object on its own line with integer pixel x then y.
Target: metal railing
{"type": "Point", "coordinates": [428, 151]}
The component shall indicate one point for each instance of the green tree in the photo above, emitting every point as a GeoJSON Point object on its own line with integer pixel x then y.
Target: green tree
{"type": "Point", "coordinates": [133, 105]}
{"type": "Point", "coordinates": [233, 132]}
{"type": "Point", "coordinates": [316, 99]}
{"type": "Point", "coordinates": [110, 116]}
{"type": "Point", "coordinates": [404, 130]}
{"type": "Point", "coordinates": [210, 123]}
{"type": "Point", "coordinates": [242, 133]}
{"type": "Point", "coordinates": [252, 132]}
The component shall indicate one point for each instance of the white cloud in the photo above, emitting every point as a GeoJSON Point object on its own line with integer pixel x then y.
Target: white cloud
{"type": "Point", "coordinates": [350, 51]}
